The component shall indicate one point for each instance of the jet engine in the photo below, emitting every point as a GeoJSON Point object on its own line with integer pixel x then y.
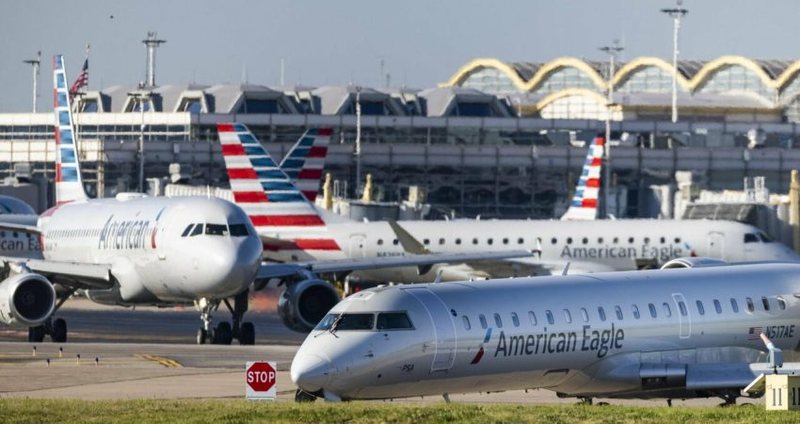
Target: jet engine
{"type": "Point", "coordinates": [305, 301]}
{"type": "Point", "coordinates": [26, 300]}
{"type": "Point", "coordinates": [693, 262]}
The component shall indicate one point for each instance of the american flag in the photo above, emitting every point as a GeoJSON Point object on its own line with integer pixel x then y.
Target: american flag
{"type": "Point", "coordinates": [82, 80]}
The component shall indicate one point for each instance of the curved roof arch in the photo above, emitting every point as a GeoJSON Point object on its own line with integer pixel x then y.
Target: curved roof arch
{"type": "Point", "coordinates": [708, 70]}
{"type": "Point", "coordinates": [569, 92]}
{"type": "Point", "coordinates": [476, 65]}
{"type": "Point", "coordinates": [787, 75]}
{"type": "Point", "coordinates": [565, 62]}
{"type": "Point", "coordinates": [642, 62]}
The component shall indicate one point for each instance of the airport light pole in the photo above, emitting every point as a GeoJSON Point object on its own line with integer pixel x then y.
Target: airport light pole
{"type": "Point", "coordinates": [358, 140]}
{"type": "Point", "coordinates": [140, 98]}
{"type": "Point", "coordinates": [35, 64]}
{"type": "Point", "coordinates": [676, 13]}
{"type": "Point", "coordinates": [612, 52]}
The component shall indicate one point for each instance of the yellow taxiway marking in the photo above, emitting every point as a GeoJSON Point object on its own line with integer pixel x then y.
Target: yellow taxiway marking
{"type": "Point", "coordinates": [167, 362]}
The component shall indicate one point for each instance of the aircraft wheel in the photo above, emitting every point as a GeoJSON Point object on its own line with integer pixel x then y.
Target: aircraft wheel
{"type": "Point", "coordinates": [202, 334]}
{"type": "Point", "coordinates": [36, 334]}
{"type": "Point", "coordinates": [247, 334]}
{"type": "Point", "coordinates": [302, 396]}
{"type": "Point", "coordinates": [223, 334]}
{"type": "Point", "coordinates": [59, 334]}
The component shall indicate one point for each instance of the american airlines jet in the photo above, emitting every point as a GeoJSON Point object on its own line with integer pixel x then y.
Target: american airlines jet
{"type": "Point", "coordinates": [587, 245]}
{"type": "Point", "coordinates": [671, 333]}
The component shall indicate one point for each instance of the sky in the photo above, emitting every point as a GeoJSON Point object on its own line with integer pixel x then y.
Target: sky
{"type": "Point", "coordinates": [323, 42]}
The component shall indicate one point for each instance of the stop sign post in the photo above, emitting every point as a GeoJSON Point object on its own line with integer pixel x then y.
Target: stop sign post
{"type": "Point", "coordinates": [261, 380]}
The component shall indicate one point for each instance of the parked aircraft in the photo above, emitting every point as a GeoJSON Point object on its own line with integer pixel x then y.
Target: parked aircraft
{"type": "Point", "coordinates": [672, 333]}
{"type": "Point", "coordinates": [587, 245]}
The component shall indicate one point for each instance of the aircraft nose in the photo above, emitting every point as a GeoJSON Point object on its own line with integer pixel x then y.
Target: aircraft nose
{"type": "Point", "coordinates": [310, 372]}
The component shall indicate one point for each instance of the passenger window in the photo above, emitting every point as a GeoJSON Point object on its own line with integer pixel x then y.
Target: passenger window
{"type": "Point", "coordinates": [750, 238]}
{"type": "Point", "coordinates": [677, 240]}
{"type": "Point", "coordinates": [426, 242]}
{"type": "Point", "coordinates": [717, 306]}
{"type": "Point", "coordinates": [585, 315]}
{"type": "Point", "coordinates": [549, 317]}
{"type": "Point", "coordinates": [474, 241]}
{"type": "Point", "coordinates": [682, 308]}
{"type": "Point", "coordinates": [618, 311]}
{"type": "Point", "coordinates": [647, 240]}
{"type": "Point", "coordinates": [635, 310]}
{"type": "Point", "coordinates": [667, 309]}
{"type": "Point", "coordinates": [700, 309]}
{"type": "Point", "coordinates": [482, 319]}
{"type": "Point", "coordinates": [441, 241]}
{"type": "Point", "coordinates": [749, 303]}
{"type": "Point", "coordinates": [663, 240]}
{"type": "Point", "coordinates": [599, 240]}
{"type": "Point", "coordinates": [765, 302]}
{"type": "Point", "coordinates": [216, 229]}
{"type": "Point", "coordinates": [520, 240]}
{"type": "Point", "coordinates": [515, 319]}
{"type": "Point", "coordinates": [585, 240]}
{"type": "Point", "coordinates": [615, 240]}
{"type": "Point", "coordinates": [601, 313]}
{"type": "Point", "coordinates": [781, 303]}
{"type": "Point", "coordinates": [567, 316]}
{"type": "Point", "coordinates": [186, 231]}
{"type": "Point", "coordinates": [569, 240]}
{"type": "Point", "coordinates": [395, 242]}
{"type": "Point", "coordinates": [498, 321]}
{"type": "Point", "coordinates": [630, 240]}
{"type": "Point", "coordinates": [467, 325]}
{"type": "Point", "coordinates": [380, 242]}
{"type": "Point", "coordinates": [394, 321]}
{"type": "Point", "coordinates": [198, 229]}
{"type": "Point", "coordinates": [505, 240]}
{"type": "Point", "coordinates": [532, 318]}
{"type": "Point", "coordinates": [458, 241]}
{"type": "Point", "coordinates": [652, 310]}
{"type": "Point", "coordinates": [490, 241]}
{"type": "Point", "coordinates": [553, 240]}
{"type": "Point", "coordinates": [734, 306]}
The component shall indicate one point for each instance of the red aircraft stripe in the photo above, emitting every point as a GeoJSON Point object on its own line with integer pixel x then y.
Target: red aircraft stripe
{"type": "Point", "coordinates": [310, 195]}
{"type": "Point", "coordinates": [249, 197]}
{"type": "Point", "coordinates": [589, 203]}
{"type": "Point", "coordinates": [232, 150]}
{"type": "Point", "coordinates": [224, 127]}
{"type": "Point", "coordinates": [317, 152]}
{"type": "Point", "coordinates": [593, 182]}
{"type": "Point", "coordinates": [286, 220]}
{"type": "Point", "coordinates": [325, 131]}
{"type": "Point", "coordinates": [309, 174]}
{"type": "Point", "coordinates": [599, 141]}
{"type": "Point", "coordinates": [597, 161]}
{"type": "Point", "coordinates": [304, 244]}
{"type": "Point", "coordinates": [242, 174]}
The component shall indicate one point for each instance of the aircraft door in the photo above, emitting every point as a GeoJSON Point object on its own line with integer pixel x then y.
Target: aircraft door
{"type": "Point", "coordinates": [684, 315]}
{"type": "Point", "coordinates": [715, 247]}
{"type": "Point", "coordinates": [357, 245]}
{"type": "Point", "coordinates": [444, 328]}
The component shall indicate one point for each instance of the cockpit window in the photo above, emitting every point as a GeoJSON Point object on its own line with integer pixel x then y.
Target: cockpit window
{"type": "Point", "coordinates": [186, 231]}
{"type": "Point", "coordinates": [238, 230]}
{"type": "Point", "coordinates": [339, 322]}
{"type": "Point", "coordinates": [750, 238]}
{"type": "Point", "coordinates": [216, 229]}
{"type": "Point", "coordinates": [198, 229]}
{"type": "Point", "coordinates": [765, 238]}
{"type": "Point", "coordinates": [393, 321]}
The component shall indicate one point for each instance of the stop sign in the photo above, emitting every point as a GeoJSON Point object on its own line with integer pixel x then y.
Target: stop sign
{"type": "Point", "coordinates": [260, 379]}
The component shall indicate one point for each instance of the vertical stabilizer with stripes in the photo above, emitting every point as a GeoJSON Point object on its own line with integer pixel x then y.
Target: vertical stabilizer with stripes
{"type": "Point", "coordinates": [274, 204]}
{"type": "Point", "coordinates": [68, 172]}
{"type": "Point", "coordinates": [584, 203]}
{"type": "Point", "coordinates": [306, 160]}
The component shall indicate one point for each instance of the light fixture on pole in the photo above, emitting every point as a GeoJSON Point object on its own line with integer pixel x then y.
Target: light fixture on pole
{"type": "Point", "coordinates": [358, 141]}
{"type": "Point", "coordinates": [35, 64]}
{"type": "Point", "coordinates": [612, 52]}
{"type": "Point", "coordinates": [676, 14]}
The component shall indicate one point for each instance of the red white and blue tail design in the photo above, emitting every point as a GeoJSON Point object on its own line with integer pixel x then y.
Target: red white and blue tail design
{"type": "Point", "coordinates": [271, 200]}
{"type": "Point", "coordinates": [584, 203]}
{"type": "Point", "coordinates": [68, 172]}
{"type": "Point", "coordinates": [306, 160]}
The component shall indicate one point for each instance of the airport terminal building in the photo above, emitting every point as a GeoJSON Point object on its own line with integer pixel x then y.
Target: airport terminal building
{"type": "Point", "coordinates": [497, 139]}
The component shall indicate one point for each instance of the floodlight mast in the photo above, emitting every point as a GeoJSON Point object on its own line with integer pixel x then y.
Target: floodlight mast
{"type": "Point", "coordinates": [676, 13]}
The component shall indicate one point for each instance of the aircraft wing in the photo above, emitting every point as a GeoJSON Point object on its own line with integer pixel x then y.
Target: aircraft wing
{"type": "Point", "coordinates": [271, 270]}
{"type": "Point", "coordinates": [22, 228]}
{"type": "Point", "coordinates": [69, 274]}
{"type": "Point", "coordinates": [532, 266]}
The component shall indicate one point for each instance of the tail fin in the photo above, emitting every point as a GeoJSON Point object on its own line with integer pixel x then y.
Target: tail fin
{"type": "Point", "coordinates": [266, 193]}
{"type": "Point", "coordinates": [584, 203]}
{"type": "Point", "coordinates": [306, 160]}
{"type": "Point", "coordinates": [68, 171]}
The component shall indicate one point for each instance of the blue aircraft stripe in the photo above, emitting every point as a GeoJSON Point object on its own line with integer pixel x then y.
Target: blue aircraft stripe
{"type": "Point", "coordinates": [247, 138]}
{"type": "Point", "coordinates": [293, 163]}
{"type": "Point", "coordinates": [253, 150]}
{"type": "Point", "coordinates": [292, 173]}
{"type": "Point", "coordinates": [488, 335]}
{"type": "Point", "coordinates": [277, 185]}
{"type": "Point", "coordinates": [239, 127]}
{"type": "Point", "coordinates": [263, 162]}
{"type": "Point", "coordinates": [269, 174]}
{"type": "Point", "coordinates": [577, 203]}
{"type": "Point", "coordinates": [69, 174]}
{"type": "Point", "coordinates": [63, 117]}
{"type": "Point", "coordinates": [299, 152]}
{"type": "Point", "coordinates": [307, 141]}
{"type": "Point", "coordinates": [285, 197]}
{"type": "Point", "coordinates": [60, 82]}
{"type": "Point", "coordinates": [66, 136]}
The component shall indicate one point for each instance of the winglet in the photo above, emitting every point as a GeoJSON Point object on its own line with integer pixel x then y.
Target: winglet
{"type": "Point", "coordinates": [584, 203]}
{"type": "Point", "coordinates": [68, 171]}
{"type": "Point", "coordinates": [410, 245]}
{"type": "Point", "coordinates": [306, 159]}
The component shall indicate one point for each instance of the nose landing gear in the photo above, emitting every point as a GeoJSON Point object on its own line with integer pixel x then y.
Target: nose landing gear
{"type": "Point", "coordinates": [225, 332]}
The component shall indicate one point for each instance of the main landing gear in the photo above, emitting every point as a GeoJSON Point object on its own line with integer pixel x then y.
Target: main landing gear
{"type": "Point", "coordinates": [55, 328]}
{"type": "Point", "coordinates": [225, 332]}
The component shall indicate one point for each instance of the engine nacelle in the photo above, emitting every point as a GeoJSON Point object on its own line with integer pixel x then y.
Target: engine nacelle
{"type": "Point", "coordinates": [693, 262]}
{"type": "Point", "coordinates": [26, 300]}
{"type": "Point", "coordinates": [305, 302]}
